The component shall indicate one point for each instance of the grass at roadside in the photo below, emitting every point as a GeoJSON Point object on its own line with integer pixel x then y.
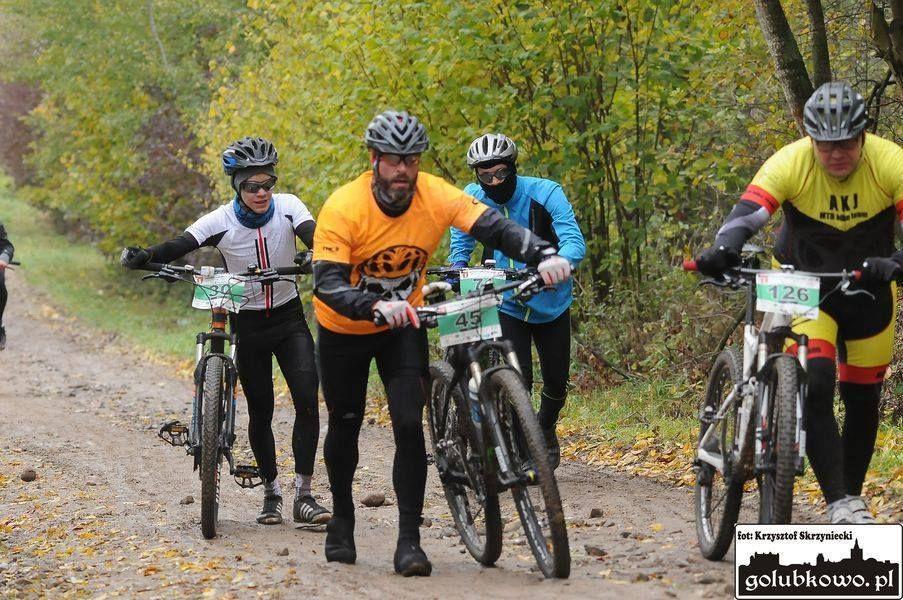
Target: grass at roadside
{"type": "Point", "coordinates": [93, 288]}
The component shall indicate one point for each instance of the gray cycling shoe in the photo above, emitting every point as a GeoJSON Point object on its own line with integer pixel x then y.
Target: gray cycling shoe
{"type": "Point", "coordinates": [271, 513]}
{"type": "Point", "coordinates": [860, 510]}
{"type": "Point", "coordinates": [840, 513]}
{"type": "Point", "coordinates": [306, 510]}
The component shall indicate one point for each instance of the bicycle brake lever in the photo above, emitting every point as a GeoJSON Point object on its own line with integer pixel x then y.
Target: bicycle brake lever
{"type": "Point", "coordinates": [848, 292]}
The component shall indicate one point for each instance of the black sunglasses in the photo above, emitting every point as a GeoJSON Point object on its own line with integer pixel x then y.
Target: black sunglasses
{"type": "Point", "coordinates": [252, 187]}
{"type": "Point", "coordinates": [393, 160]}
{"type": "Point", "coordinates": [488, 177]}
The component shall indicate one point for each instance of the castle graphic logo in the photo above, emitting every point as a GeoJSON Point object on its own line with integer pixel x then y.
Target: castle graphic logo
{"type": "Point", "coordinates": [819, 561]}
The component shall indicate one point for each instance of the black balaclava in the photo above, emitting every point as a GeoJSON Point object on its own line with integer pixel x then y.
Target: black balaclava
{"type": "Point", "coordinates": [500, 193]}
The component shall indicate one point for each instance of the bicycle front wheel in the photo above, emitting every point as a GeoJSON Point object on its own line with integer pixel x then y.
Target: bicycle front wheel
{"type": "Point", "coordinates": [776, 480]}
{"type": "Point", "coordinates": [474, 506]}
{"type": "Point", "coordinates": [538, 504]}
{"type": "Point", "coordinates": [211, 455]}
{"type": "Point", "coordinates": [718, 493]}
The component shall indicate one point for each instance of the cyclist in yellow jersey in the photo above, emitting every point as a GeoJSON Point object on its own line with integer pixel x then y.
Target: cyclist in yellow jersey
{"type": "Point", "coordinates": [841, 192]}
{"type": "Point", "coordinates": [373, 240]}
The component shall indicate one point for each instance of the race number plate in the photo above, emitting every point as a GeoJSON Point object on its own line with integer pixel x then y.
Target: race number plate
{"type": "Point", "coordinates": [218, 291]}
{"type": "Point", "coordinates": [474, 279]}
{"type": "Point", "coordinates": [469, 320]}
{"type": "Point", "coordinates": [787, 294]}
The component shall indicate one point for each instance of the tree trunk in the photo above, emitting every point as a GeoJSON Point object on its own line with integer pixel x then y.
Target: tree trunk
{"type": "Point", "coordinates": [821, 61]}
{"type": "Point", "coordinates": [888, 39]}
{"type": "Point", "coordinates": [791, 69]}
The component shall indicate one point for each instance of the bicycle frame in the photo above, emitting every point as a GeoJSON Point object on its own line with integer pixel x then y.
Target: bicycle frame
{"type": "Point", "coordinates": [758, 354]}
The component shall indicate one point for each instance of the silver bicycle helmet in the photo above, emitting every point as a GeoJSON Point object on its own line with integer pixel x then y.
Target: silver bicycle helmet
{"type": "Point", "coordinates": [491, 147]}
{"type": "Point", "coordinates": [834, 112]}
{"type": "Point", "coordinates": [394, 132]}
{"type": "Point", "coordinates": [249, 152]}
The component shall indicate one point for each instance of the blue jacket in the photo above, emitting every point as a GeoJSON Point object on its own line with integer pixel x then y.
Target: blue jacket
{"type": "Point", "coordinates": [541, 206]}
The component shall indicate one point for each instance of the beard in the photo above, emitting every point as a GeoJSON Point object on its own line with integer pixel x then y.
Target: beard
{"type": "Point", "coordinates": [393, 201]}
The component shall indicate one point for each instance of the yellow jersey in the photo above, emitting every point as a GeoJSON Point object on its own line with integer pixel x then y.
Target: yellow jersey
{"type": "Point", "coordinates": [829, 223]}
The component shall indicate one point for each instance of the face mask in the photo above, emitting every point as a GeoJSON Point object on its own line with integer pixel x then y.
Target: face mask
{"type": "Point", "coordinates": [504, 191]}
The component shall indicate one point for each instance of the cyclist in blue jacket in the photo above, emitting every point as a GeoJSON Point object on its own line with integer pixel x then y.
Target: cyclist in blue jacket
{"type": "Point", "coordinates": [541, 206]}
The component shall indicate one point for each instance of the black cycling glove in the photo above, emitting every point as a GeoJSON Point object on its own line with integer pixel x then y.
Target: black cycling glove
{"type": "Point", "coordinates": [134, 257]}
{"type": "Point", "coordinates": [714, 261]}
{"type": "Point", "coordinates": [881, 269]}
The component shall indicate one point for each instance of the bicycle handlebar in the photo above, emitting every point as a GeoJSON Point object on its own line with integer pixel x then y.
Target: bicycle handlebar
{"type": "Point", "coordinates": [253, 270]}
{"type": "Point", "coordinates": [854, 275]}
{"type": "Point", "coordinates": [530, 281]}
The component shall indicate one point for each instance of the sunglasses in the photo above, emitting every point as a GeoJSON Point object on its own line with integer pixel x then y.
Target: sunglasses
{"type": "Point", "coordinates": [488, 177]}
{"type": "Point", "coordinates": [252, 187]}
{"type": "Point", "coordinates": [393, 160]}
{"type": "Point", "coordinates": [847, 145]}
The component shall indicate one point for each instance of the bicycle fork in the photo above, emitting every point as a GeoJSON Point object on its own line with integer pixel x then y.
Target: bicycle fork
{"type": "Point", "coordinates": [763, 432]}
{"type": "Point", "coordinates": [490, 427]}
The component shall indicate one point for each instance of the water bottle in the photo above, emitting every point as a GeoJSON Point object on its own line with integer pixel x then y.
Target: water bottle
{"type": "Point", "coordinates": [475, 412]}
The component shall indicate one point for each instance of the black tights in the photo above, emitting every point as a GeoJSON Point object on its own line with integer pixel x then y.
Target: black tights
{"type": "Point", "coordinates": [3, 294]}
{"type": "Point", "coordinates": [285, 335]}
{"type": "Point", "coordinates": [840, 461]}
{"type": "Point", "coordinates": [553, 344]}
{"type": "Point", "coordinates": [401, 359]}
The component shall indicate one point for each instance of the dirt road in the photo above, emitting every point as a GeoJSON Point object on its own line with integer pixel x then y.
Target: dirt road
{"type": "Point", "coordinates": [104, 518]}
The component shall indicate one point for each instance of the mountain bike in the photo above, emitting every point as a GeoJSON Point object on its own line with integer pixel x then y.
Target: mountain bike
{"type": "Point", "coordinates": [482, 426]}
{"type": "Point", "coordinates": [751, 418]}
{"type": "Point", "coordinates": [211, 430]}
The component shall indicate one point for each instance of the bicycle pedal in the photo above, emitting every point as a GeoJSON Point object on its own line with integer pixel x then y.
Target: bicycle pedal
{"type": "Point", "coordinates": [174, 433]}
{"type": "Point", "coordinates": [247, 476]}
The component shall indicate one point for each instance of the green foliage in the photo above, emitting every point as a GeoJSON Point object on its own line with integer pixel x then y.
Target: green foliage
{"type": "Point", "coordinates": [653, 114]}
{"type": "Point", "coordinates": [621, 102]}
{"type": "Point", "coordinates": [122, 82]}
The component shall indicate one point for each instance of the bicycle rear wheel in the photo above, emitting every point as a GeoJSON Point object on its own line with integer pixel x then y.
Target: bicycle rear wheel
{"type": "Point", "coordinates": [776, 481]}
{"type": "Point", "coordinates": [718, 494]}
{"type": "Point", "coordinates": [539, 505]}
{"type": "Point", "coordinates": [211, 455]}
{"type": "Point", "coordinates": [474, 507]}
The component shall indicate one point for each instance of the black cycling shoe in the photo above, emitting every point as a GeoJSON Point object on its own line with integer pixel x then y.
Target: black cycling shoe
{"type": "Point", "coordinates": [411, 560]}
{"type": "Point", "coordinates": [306, 510]}
{"type": "Point", "coordinates": [340, 540]}
{"type": "Point", "coordinates": [271, 513]}
{"type": "Point", "coordinates": [552, 446]}
{"type": "Point", "coordinates": [2, 338]}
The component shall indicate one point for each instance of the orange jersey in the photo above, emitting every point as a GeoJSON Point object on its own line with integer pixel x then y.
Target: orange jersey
{"type": "Point", "coordinates": [388, 255]}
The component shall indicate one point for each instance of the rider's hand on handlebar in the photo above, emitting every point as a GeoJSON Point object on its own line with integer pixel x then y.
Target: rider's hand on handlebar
{"type": "Point", "coordinates": [554, 268]}
{"type": "Point", "coordinates": [879, 269]}
{"type": "Point", "coordinates": [134, 257]}
{"type": "Point", "coordinates": [714, 261]}
{"type": "Point", "coordinates": [397, 313]}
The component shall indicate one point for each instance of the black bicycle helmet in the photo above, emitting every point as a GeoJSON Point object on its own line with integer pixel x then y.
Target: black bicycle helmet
{"type": "Point", "coordinates": [834, 112]}
{"type": "Point", "coordinates": [396, 132]}
{"type": "Point", "coordinates": [490, 148]}
{"type": "Point", "coordinates": [249, 152]}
